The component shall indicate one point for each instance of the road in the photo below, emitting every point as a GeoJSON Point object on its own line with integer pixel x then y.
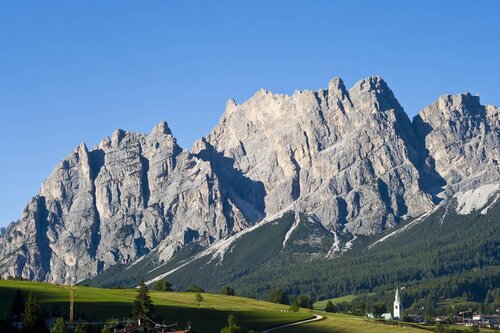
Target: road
{"type": "Point", "coordinates": [316, 318]}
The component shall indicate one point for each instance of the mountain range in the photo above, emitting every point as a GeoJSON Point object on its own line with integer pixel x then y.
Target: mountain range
{"type": "Point", "coordinates": [315, 175]}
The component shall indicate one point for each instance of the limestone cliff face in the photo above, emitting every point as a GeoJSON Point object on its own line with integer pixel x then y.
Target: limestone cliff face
{"type": "Point", "coordinates": [350, 159]}
{"type": "Point", "coordinates": [115, 203]}
{"type": "Point", "coordinates": [463, 140]}
{"type": "Point", "coordinates": [345, 156]}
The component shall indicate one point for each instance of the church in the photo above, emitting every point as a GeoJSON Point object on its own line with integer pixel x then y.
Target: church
{"type": "Point", "coordinates": [397, 306]}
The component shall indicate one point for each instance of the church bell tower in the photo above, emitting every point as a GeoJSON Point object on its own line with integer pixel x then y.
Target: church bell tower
{"type": "Point", "coordinates": [397, 306]}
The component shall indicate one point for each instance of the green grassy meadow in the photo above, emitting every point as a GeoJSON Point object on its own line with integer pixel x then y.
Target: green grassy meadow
{"type": "Point", "coordinates": [96, 304]}
{"type": "Point", "coordinates": [341, 323]}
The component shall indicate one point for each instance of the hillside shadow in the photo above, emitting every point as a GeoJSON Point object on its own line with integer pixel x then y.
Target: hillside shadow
{"type": "Point", "coordinates": [201, 318]}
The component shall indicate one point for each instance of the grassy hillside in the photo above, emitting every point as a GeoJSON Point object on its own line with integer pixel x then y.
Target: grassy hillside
{"type": "Point", "coordinates": [320, 305]}
{"type": "Point", "coordinates": [339, 323]}
{"type": "Point", "coordinates": [96, 304]}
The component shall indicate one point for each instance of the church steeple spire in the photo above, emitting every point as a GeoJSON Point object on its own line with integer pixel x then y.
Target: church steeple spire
{"type": "Point", "coordinates": [397, 305]}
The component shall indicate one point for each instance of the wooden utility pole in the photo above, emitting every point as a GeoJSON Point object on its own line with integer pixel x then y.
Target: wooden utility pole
{"type": "Point", "coordinates": [71, 302]}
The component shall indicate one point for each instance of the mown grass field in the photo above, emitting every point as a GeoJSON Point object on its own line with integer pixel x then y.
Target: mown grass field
{"type": "Point", "coordinates": [96, 304]}
{"type": "Point", "coordinates": [340, 323]}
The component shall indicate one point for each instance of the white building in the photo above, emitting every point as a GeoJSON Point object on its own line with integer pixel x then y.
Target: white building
{"type": "Point", "coordinates": [397, 306]}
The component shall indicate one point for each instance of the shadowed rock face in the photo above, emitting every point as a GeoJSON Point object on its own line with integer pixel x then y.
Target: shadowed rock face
{"type": "Point", "coordinates": [463, 138]}
{"type": "Point", "coordinates": [351, 159]}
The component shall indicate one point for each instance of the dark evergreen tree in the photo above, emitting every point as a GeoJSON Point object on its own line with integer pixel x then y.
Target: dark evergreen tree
{"type": "Point", "coordinates": [81, 328]}
{"type": "Point", "coordinates": [163, 285]}
{"type": "Point", "coordinates": [59, 326]}
{"type": "Point", "coordinates": [142, 308]}
{"type": "Point", "coordinates": [304, 301]}
{"type": "Point", "coordinates": [33, 321]}
{"type": "Point", "coordinates": [358, 307]}
{"type": "Point", "coordinates": [109, 326]}
{"type": "Point", "coordinates": [329, 306]}
{"type": "Point", "coordinates": [278, 296]}
{"type": "Point", "coordinates": [227, 290]}
{"type": "Point", "coordinates": [198, 298]}
{"type": "Point", "coordinates": [232, 325]}
{"type": "Point", "coordinates": [379, 309]}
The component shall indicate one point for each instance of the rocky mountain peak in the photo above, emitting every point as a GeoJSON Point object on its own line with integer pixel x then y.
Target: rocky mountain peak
{"type": "Point", "coordinates": [459, 102]}
{"type": "Point", "coordinates": [336, 89]}
{"type": "Point", "coordinates": [230, 104]}
{"type": "Point", "coordinates": [117, 136]}
{"type": "Point", "coordinates": [336, 84]}
{"type": "Point", "coordinates": [349, 159]}
{"type": "Point", "coordinates": [199, 145]}
{"type": "Point", "coordinates": [453, 107]}
{"type": "Point", "coordinates": [371, 83]}
{"type": "Point", "coordinates": [161, 128]}
{"type": "Point", "coordinates": [374, 95]}
{"type": "Point", "coordinates": [461, 136]}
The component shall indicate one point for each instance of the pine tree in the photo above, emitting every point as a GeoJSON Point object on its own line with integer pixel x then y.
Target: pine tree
{"type": "Point", "coordinates": [379, 309]}
{"type": "Point", "coordinates": [32, 316]}
{"type": "Point", "coordinates": [278, 296]}
{"type": "Point", "coordinates": [232, 325]}
{"type": "Point", "coordinates": [227, 290]}
{"type": "Point", "coordinates": [304, 301]}
{"type": "Point", "coordinates": [143, 305]}
{"type": "Point", "coordinates": [163, 285]}
{"type": "Point", "coordinates": [81, 328]}
{"type": "Point", "coordinates": [59, 326]}
{"type": "Point", "coordinates": [329, 306]}
{"type": "Point", "coordinates": [108, 327]}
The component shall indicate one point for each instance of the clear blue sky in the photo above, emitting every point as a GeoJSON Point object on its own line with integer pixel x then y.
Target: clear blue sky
{"type": "Point", "coordinates": [73, 71]}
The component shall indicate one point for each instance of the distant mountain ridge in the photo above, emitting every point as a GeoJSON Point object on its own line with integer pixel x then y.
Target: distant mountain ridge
{"type": "Point", "coordinates": [350, 161]}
